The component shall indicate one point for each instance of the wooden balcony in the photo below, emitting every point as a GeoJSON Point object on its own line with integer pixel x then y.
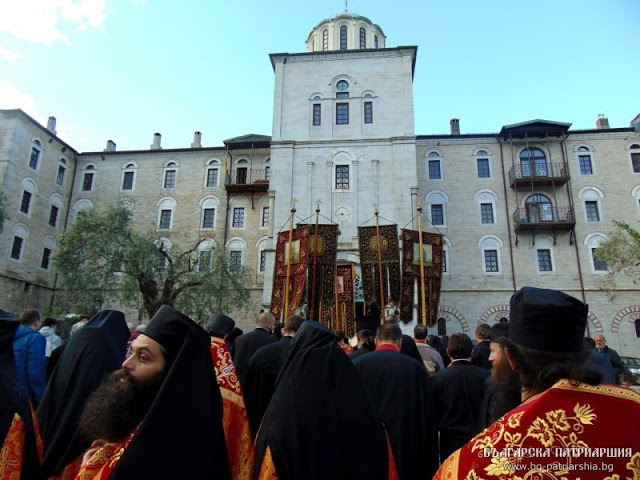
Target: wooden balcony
{"type": "Point", "coordinates": [244, 180]}
{"type": "Point", "coordinates": [538, 174]}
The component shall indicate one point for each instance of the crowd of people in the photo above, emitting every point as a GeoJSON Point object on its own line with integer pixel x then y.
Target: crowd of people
{"type": "Point", "coordinates": [532, 398]}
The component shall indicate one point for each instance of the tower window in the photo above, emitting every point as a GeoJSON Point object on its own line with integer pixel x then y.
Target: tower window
{"type": "Point", "coordinates": [343, 37]}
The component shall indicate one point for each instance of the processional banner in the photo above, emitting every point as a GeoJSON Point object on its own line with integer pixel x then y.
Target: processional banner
{"type": "Point", "coordinates": [341, 314]}
{"type": "Point", "coordinates": [291, 262]}
{"type": "Point", "coordinates": [432, 261]}
{"type": "Point", "coordinates": [380, 250]}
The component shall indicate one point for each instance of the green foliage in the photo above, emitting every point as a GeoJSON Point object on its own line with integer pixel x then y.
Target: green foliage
{"type": "Point", "coordinates": [621, 254]}
{"type": "Point", "coordinates": [102, 259]}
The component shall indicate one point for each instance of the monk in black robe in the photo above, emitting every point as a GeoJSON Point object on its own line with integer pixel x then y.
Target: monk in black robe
{"type": "Point", "coordinates": [321, 423]}
{"type": "Point", "coordinates": [400, 387]}
{"type": "Point", "coordinates": [92, 353]}
{"type": "Point", "coordinates": [262, 372]}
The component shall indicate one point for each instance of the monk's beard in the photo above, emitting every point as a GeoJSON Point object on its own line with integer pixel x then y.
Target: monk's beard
{"type": "Point", "coordinates": [507, 396]}
{"type": "Point", "coordinates": [118, 405]}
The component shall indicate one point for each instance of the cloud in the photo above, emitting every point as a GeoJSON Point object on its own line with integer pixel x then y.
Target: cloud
{"type": "Point", "coordinates": [9, 55]}
{"type": "Point", "coordinates": [43, 21]}
{"type": "Point", "coordinates": [11, 97]}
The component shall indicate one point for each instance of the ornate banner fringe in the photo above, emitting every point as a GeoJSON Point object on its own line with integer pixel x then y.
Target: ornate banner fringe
{"type": "Point", "coordinates": [432, 246]}
{"type": "Point", "coordinates": [369, 263]}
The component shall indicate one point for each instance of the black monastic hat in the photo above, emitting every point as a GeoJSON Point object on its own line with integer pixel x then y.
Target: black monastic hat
{"type": "Point", "coordinates": [548, 320]}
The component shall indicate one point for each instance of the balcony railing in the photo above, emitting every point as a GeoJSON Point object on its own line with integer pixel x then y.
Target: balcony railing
{"type": "Point", "coordinates": [245, 180]}
{"type": "Point", "coordinates": [544, 217]}
{"type": "Point", "coordinates": [539, 173]}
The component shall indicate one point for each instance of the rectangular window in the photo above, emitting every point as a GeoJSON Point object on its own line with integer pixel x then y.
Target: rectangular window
{"type": "Point", "coordinates": [343, 38]}
{"type": "Point", "coordinates": [212, 177]}
{"type": "Point", "coordinates": [491, 261]}
{"type": "Point", "coordinates": [317, 114]}
{"type": "Point", "coordinates": [170, 179]}
{"type": "Point", "coordinates": [208, 218]}
{"type": "Point", "coordinates": [263, 260]}
{"type": "Point", "coordinates": [204, 260]}
{"type": "Point", "coordinates": [342, 113]}
{"type": "Point", "coordinates": [544, 260]}
{"type": "Point", "coordinates": [265, 217]}
{"type": "Point", "coordinates": [236, 257]}
{"type": "Point", "coordinates": [127, 181]}
{"type": "Point", "coordinates": [486, 212]}
{"type": "Point", "coordinates": [444, 261]}
{"type": "Point", "coordinates": [26, 202]}
{"type": "Point", "coordinates": [593, 215]}
{"type": "Point", "coordinates": [87, 182]}
{"type": "Point", "coordinates": [165, 219]}
{"type": "Point", "coordinates": [342, 177]}
{"type": "Point", "coordinates": [33, 159]}
{"type": "Point", "coordinates": [46, 256]}
{"type": "Point", "coordinates": [635, 162]}
{"type": "Point", "coordinates": [437, 215]}
{"type": "Point", "coordinates": [483, 168]}
{"type": "Point", "coordinates": [60, 177]}
{"type": "Point", "coordinates": [368, 112]}
{"type": "Point", "coordinates": [16, 249]}
{"type": "Point", "coordinates": [53, 216]}
{"type": "Point", "coordinates": [598, 265]}
{"type": "Point", "coordinates": [434, 170]}
{"type": "Point", "coordinates": [363, 38]}
{"type": "Point", "coordinates": [585, 165]}
{"type": "Point", "coordinates": [267, 173]}
{"type": "Point", "coordinates": [238, 218]}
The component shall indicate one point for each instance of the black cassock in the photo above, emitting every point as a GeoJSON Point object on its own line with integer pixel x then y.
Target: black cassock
{"type": "Point", "coordinates": [260, 379]}
{"type": "Point", "coordinates": [401, 388]}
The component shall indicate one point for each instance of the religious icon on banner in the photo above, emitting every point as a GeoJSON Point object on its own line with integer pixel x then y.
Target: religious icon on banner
{"type": "Point", "coordinates": [427, 255]}
{"type": "Point", "coordinates": [294, 256]}
{"type": "Point", "coordinates": [383, 242]}
{"type": "Point", "coordinates": [316, 244]}
{"type": "Point", "coordinates": [340, 282]}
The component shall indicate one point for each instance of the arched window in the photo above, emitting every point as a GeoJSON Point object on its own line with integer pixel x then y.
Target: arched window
{"type": "Point", "coordinates": [483, 164]}
{"type": "Point", "coordinates": [533, 162]}
{"type": "Point", "coordinates": [87, 178]}
{"type": "Point", "coordinates": [48, 246]}
{"type": "Point", "coordinates": [80, 207]}
{"type": "Point", "coordinates": [442, 326]}
{"type": "Point", "coordinates": [165, 213]}
{"type": "Point", "coordinates": [591, 197]}
{"type": "Point", "coordinates": [20, 236]}
{"type": "Point", "coordinates": [434, 165]}
{"type": "Point", "coordinates": [343, 37]}
{"type": "Point", "coordinates": [544, 254]}
{"type": "Point", "coordinates": [491, 260]}
{"type": "Point", "coordinates": [267, 169]}
{"type": "Point", "coordinates": [236, 248]}
{"type": "Point", "coordinates": [593, 242]}
{"type": "Point", "coordinates": [36, 153]}
{"type": "Point", "coordinates": [436, 203]}
{"type": "Point", "coordinates": [205, 254]}
{"type": "Point", "coordinates": [129, 176]}
{"type": "Point", "coordinates": [375, 41]}
{"type": "Point", "coordinates": [242, 172]}
{"type": "Point", "coordinates": [262, 255]}
{"type": "Point", "coordinates": [170, 175]}
{"type": "Point", "coordinates": [325, 40]}
{"type": "Point", "coordinates": [363, 38]}
{"type": "Point", "coordinates": [212, 173]}
{"type": "Point", "coordinates": [55, 202]}
{"type": "Point", "coordinates": [208, 209]}
{"type": "Point", "coordinates": [636, 323]}
{"type": "Point", "coordinates": [486, 200]}
{"type": "Point", "coordinates": [539, 209]}
{"type": "Point", "coordinates": [62, 171]}
{"type": "Point", "coordinates": [634, 154]}
{"type": "Point", "coordinates": [585, 161]}
{"type": "Point", "coordinates": [29, 191]}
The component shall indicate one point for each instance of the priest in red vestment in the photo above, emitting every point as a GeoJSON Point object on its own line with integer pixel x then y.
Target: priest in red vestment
{"type": "Point", "coordinates": [569, 426]}
{"type": "Point", "coordinates": [235, 421]}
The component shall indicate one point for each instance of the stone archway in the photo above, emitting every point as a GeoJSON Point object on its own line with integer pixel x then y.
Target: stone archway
{"type": "Point", "coordinates": [596, 322]}
{"type": "Point", "coordinates": [497, 312]}
{"type": "Point", "coordinates": [627, 311]}
{"type": "Point", "coordinates": [450, 313]}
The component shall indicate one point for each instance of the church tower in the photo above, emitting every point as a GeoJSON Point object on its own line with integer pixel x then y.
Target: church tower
{"type": "Point", "coordinates": [343, 132]}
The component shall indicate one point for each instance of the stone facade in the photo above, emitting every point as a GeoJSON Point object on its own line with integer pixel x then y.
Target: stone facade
{"type": "Point", "coordinates": [523, 206]}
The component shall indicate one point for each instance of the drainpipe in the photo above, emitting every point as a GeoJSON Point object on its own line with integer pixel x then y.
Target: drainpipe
{"type": "Point", "coordinates": [226, 215]}
{"type": "Point", "coordinates": [64, 227]}
{"type": "Point", "coordinates": [506, 208]}
{"type": "Point", "coordinates": [563, 149]}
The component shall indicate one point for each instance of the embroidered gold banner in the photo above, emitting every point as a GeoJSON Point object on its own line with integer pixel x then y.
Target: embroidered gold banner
{"type": "Point", "coordinates": [341, 314]}
{"type": "Point", "coordinates": [432, 253]}
{"type": "Point", "coordinates": [374, 252]}
{"type": "Point", "coordinates": [297, 271]}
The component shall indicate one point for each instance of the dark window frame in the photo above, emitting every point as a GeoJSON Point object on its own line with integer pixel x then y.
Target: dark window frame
{"type": "Point", "coordinates": [342, 180]}
{"type": "Point", "coordinates": [342, 113]}
{"type": "Point", "coordinates": [545, 263]}
{"type": "Point", "coordinates": [209, 218]}
{"type": "Point", "coordinates": [343, 37]}
{"type": "Point", "coordinates": [317, 114]}
{"type": "Point", "coordinates": [368, 112]}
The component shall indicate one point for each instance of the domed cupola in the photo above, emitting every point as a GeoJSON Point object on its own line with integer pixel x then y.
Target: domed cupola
{"type": "Point", "coordinates": [345, 31]}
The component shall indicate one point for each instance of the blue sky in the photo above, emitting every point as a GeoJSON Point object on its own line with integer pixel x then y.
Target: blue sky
{"type": "Point", "coordinates": [124, 69]}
